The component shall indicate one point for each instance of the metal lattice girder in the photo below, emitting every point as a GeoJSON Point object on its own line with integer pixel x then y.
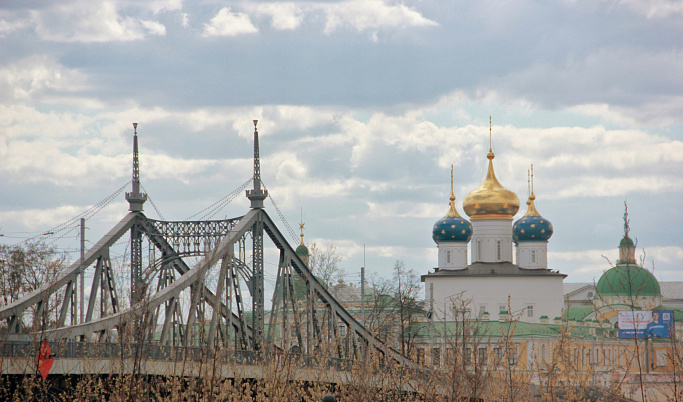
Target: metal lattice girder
{"type": "Point", "coordinates": [190, 277]}
{"type": "Point", "coordinates": [162, 234]}
{"type": "Point", "coordinates": [70, 274]}
{"type": "Point", "coordinates": [354, 326]}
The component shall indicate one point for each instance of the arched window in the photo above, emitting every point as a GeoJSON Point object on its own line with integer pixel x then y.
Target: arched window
{"type": "Point", "coordinates": [499, 250]}
{"type": "Point", "coordinates": [533, 256]}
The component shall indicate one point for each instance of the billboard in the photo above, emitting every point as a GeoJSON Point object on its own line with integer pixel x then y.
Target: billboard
{"type": "Point", "coordinates": [646, 324]}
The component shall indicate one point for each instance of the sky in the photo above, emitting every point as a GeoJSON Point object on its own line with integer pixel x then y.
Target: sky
{"type": "Point", "coordinates": [363, 106]}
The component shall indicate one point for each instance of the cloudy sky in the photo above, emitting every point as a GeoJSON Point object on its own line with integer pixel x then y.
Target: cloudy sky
{"type": "Point", "coordinates": [363, 105]}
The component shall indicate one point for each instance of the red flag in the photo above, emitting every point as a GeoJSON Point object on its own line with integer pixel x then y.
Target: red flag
{"type": "Point", "coordinates": [44, 360]}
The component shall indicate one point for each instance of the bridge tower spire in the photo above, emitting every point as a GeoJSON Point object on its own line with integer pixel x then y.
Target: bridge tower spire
{"type": "Point", "coordinates": [135, 198]}
{"type": "Point", "coordinates": [257, 195]}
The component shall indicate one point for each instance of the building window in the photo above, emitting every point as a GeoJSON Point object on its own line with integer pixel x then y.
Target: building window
{"type": "Point", "coordinates": [499, 250]}
{"type": "Point", "coordinates": [436, 356]}
{"type": "Point", "coordinates": [530, 311]}
{"type": "Point", "coordinates": [502, 307]}
{"type": "Point", "coordinates": [483, 357]}
{"type": "Point", "coordinates": [479, 251]}
{"type": "Point", "coordinates": [467, 359]}
{"type": "Point", "coordinates": [482, 309]}
{"type": "Point", "coordinates": [533, 256]}
{"type": "Point", "coordinates": [420, 356]}
{"type": "Point", "coordinates": [342, 330]}
{"type": "Point", "coordinates": [448, 257]}
{"type": "Point", "coordinates": [497, 354]}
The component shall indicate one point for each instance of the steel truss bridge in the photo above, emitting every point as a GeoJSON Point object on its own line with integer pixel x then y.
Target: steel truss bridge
{"type": "Point", "coordinates": [187, 284]}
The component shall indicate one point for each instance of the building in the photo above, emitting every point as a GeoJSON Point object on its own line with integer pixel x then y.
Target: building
{"type": "Point", "coordinates": [491, 284]}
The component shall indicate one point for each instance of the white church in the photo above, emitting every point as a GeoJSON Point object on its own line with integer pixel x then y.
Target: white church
{"type": "Point", "coordinates": [491, 285]}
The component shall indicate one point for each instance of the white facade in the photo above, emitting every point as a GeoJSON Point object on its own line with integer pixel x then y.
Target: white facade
{"type": "Point", "coordinates": [492, 240]}
{"type": "Point", "coordinates": [532, 254]}
{"type": "Point", "coordinates": [452, 255]}
{"type": "Point", "coordinates": [530, 296]}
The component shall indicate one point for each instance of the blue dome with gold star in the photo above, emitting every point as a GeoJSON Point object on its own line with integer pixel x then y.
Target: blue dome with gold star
{"type": "Point", "coordinates": [452, 227]}
{"type": "Point", "coordinates": [532, 226]}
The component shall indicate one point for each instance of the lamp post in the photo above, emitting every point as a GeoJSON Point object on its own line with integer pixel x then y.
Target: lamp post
{"type": "Point", "coordinates": [511, 362]}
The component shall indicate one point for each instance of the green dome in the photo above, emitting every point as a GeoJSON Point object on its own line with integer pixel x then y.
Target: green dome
{"type": "Point", "coordinates": [302, 251]}
{"type": "Point", "coordinates": [626, 242]}
{"type": "Point", "coordinates": [628, 280]}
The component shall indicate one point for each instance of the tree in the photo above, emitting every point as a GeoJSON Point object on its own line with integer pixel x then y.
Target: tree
{"type": "Point", "coordinates": [408, 308]}
{"type": "Point", "coordinates": [26, 267]}
{"type": "Point", "coordinates": [324, 264]}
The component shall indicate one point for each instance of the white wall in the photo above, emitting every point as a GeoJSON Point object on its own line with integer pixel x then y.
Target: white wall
{"type": "Point", "coordinates": [524, 254]}
{"type": "Point", "coordinates": [458, 255]}
{"type": "Point", "coordinates": [489, 232]}
{"type": "Point", "coordinates": [544, 293]}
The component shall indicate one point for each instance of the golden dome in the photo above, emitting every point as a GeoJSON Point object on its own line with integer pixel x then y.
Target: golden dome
{"type": "Point", "coordinates": [491, 199]}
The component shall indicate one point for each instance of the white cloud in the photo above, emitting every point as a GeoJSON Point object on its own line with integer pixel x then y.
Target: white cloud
{"type": "Point", "coordinates": [284, 16]}
{"type": "Point", "coordinates": [86, 21]}
{"type": "Point", "coordinates": [157, 6]}
{"type": "Point", "coordinates": [10, 22]}
{"type": "Point", "coordinates": [227, 23]}
{"type": "Point", "coordinates": [31, 78]}
{"type": "Point", "coordinates": [655, 8]}
{"type": "Point", "coordinates": [154, 27]}
{"type": "Point", "coordinates": [371, 14]}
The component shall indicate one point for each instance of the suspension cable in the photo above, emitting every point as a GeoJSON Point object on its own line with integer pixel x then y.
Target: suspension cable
{"type": "Point", "coordinates": [88, 213]}
{"type": "Point", "coordinates": [282, 217]}
{"type": "Point", "coordinates": [153, 204]}
{"type": "Point", "coordinates": [217, 206]}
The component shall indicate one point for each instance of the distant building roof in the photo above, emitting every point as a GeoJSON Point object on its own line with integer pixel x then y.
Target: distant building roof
{"type": "Point", "coordinates": [489, 269]}
{"type": "Point", "coordinates": [670, 290]}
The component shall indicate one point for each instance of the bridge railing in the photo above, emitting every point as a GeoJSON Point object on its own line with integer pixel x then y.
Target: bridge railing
{"type": "Point", "coordinates": [156, 352]}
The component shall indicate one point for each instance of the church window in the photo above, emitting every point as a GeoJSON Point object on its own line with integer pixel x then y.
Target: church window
{"type": "Point", "coordinates": [448, 257]}
{"type": "Point", "coordinates": [530, 310]}
{"type": "Point", "coordinates": [479, 251]}
{"type": "Point", "coordinates": [499, 250]}
{"type": "Point", "coordinates": [533, 256]}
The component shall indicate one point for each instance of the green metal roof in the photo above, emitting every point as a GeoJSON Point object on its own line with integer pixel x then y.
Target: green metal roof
{"type": "Point", "coordinates": [628, 280]}
{"type": "Point", "coordinates": [577, 313]}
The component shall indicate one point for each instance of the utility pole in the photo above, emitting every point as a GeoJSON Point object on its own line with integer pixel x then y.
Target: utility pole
{"type": "Point", "coordinates": [362, 295]}
{"type": "Point", "coordinates": [431, 321]}
{"type": "Point", "coordinates": [82, 269]}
